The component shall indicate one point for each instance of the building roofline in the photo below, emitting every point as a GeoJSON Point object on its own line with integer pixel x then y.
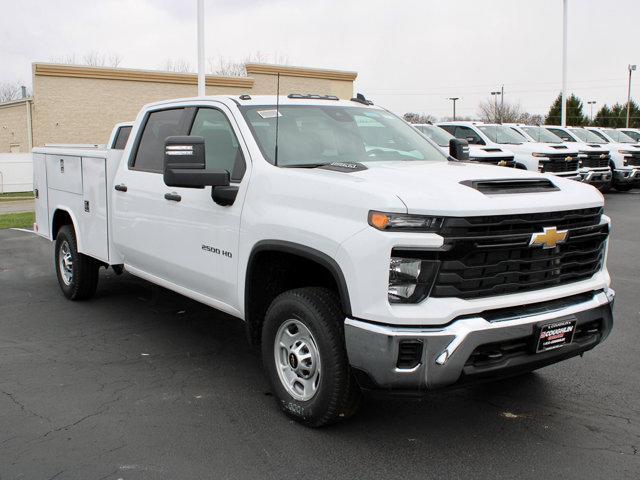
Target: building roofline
{"type": "Point", "coordinates": [292, 71]}
{"type": "Point", "coordinates": [136, 75]}
{"type": "Point", "coordinates": [11, 103]}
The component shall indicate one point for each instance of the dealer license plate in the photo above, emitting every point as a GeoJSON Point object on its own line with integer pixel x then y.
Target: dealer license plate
{"type": "Point", "coordinates": [555, 335]}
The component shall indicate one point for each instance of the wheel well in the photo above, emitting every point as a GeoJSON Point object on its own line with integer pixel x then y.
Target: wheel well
{"type": "Point", "coordinates": [275, 269]}
{"type": "Point", "coordinates": [60, 218]}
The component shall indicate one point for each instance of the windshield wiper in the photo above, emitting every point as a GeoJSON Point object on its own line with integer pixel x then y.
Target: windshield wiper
{"type": "Point", "coordinates": [304, 165]}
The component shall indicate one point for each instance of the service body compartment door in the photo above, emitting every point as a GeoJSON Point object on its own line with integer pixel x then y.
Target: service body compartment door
{"type": "Point", "coordinates": [64, 173]}
{"type": "Point", "coordinates": [40, 192]}
{"type": "Point", "coordinates": [93, 218]}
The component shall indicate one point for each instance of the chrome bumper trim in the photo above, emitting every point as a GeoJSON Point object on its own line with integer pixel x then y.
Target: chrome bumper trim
{"type": "Point", "coordinates": [373, 348]}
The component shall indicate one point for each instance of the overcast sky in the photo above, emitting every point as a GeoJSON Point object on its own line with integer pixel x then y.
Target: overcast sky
{"type": "Point", "coordinates": [409, 55]}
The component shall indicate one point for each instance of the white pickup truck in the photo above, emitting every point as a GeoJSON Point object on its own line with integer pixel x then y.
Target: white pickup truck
{"type": "Point", "coordinates": [357, 254]}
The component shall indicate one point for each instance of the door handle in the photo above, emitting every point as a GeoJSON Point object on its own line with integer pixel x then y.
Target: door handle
{"type": "Point", "coordinates": [174, 197]}
{"type": "Point", "coordinates": [121, 188]}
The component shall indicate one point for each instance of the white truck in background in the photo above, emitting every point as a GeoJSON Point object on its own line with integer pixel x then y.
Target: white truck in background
{"type": "Point", "coordinates": [622, 158]}
{"type": "Point", "coordinates": [357, 254]}
{"type": "Point", "coordinates": [536, 157]}
{"type": "Point", "coordinates": [594, 169]}
{"type": "Point", "coordinates": [485, 155]}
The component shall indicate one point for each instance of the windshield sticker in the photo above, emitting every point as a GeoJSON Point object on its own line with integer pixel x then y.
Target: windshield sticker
{"type": "Point", "coordinates": [269, 113]}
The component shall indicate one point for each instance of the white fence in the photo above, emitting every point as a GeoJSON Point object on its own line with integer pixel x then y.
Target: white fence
{"type": "Point", "coordinates": [16, 172]}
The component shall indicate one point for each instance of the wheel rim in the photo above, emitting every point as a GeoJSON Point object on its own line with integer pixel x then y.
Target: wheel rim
{"type": "Point", "coordinates": [297, 360]}
{"type": "Point", "coordinates": [65, 263]}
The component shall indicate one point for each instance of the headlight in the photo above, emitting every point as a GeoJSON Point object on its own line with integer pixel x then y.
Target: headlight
{"type": "Point", "coordinates": [410, 279]}
{"type": "Point", "coordinates": [625, 152]}
{"type": "Point", "coordinates": [537, 154]}
{"type": "Point", "coordinates": [404, 222]}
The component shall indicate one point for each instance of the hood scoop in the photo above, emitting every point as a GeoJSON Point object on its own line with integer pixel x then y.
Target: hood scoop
{"type": "Point", "coordinates": [490, 149]}
{"type": "Point", "coordinates": [505, 186]}
{"type": "Point", "coordinates": [559, 147]}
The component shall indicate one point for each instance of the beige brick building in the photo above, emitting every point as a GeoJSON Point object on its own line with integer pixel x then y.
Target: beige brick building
{"type": "Point", "coordinates": [77, 104]}
{"type": "Point", "coordinates": [15, 126]}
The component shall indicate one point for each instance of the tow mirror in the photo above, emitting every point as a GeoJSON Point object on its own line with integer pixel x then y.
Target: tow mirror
{"type": "Point", "coordinates": [459, 149]}
{"type": "Point", "coordinates": [185, 164]}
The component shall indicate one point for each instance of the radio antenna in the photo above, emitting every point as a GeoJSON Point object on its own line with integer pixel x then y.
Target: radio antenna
{"type": "Point", "coordinates": [277, 117]}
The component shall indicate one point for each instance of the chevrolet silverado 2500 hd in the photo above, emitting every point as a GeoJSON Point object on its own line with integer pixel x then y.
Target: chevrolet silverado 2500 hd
{"type": "Point", "coordinates": [537, 157]}
{"type": "Point", "coordinates": [486, 155]}
{"type": "Point", "coordinates": [625, 174]}
{"type": "Point", "coordinates": [595, 171]}
{"type": "Point", "coordinates": [358, 256]}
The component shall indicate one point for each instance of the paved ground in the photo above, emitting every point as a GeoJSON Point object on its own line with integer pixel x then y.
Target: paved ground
{"type": "Point", "coordinates": [14, 206]}
{"type": "Point", "coordinates": [141, 383]}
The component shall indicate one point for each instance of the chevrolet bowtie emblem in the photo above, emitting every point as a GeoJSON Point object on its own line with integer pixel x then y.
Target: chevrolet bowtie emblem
{"type": "Point", "coordinates": [502, 163]}
{"type": "Point", "coordinates": [602, 155]}
{"type": "Point", "coordinates": [568, 159]}
{"type": "Point", "coordinates": [549, 238]}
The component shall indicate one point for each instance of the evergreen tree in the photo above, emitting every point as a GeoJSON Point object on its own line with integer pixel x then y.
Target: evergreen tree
{"type": "Point", "coordinates": [616, 116]}
{"type": "Point", "coordinates": [575, 116]}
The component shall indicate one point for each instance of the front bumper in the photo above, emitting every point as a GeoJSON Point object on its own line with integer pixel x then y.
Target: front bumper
{"type": "Point", "coordinates": [568, 175]}
{"type": "Point", "coordinates": [448, 353]}
{"type": "Point", "coordinates": [596, 176]}
{"type": "Point", "coordinates": [626, 175]}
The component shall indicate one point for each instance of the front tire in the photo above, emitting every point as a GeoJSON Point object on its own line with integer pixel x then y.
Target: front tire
{"type": "Point", "coordinates": [305, 357]}
{"type": "Point", "coordinates": [77, 273]}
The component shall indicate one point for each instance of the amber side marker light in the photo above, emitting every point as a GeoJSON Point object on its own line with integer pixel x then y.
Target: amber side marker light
{"type": "Point", "coordinates": [378, 220]}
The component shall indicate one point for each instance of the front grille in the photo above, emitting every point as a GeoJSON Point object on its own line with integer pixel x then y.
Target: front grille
{"type": "Point", "coordinates": [595, 160]}
{"type": "Point", "coordinates": [558, 163]}
{"type": "Point", "coordinates": [633, 159]}
{"type": "Point", "coordinates": [486, 256]}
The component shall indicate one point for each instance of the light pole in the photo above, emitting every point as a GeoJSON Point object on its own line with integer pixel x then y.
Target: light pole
{"type": "Point", "coordinates": [454, 99]}
{"type": "Point", "coordinates": [564, 64]}
{"type": "Point", "coordinates": [591, 103]}
{"type": "Point", "coordinates": [495, 105]}
{"type": "Point", "coordinates": [201, 81]}
{"type": "Point", "coordinates": [631, 69]}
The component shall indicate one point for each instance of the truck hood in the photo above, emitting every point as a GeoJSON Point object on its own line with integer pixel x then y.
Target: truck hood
{"type": "Point", "coordinates": [435, 188]}
{"type": "Point", "coordinates": [531, 147]}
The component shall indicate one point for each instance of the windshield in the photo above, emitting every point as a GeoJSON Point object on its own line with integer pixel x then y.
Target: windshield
{"type": "Point", "coordinates": [501, 134]}
{"type": "Point", "coordinates": [437, 134]}
{"type": "Point", "coordinates": [310, 135]}
{"type": "Point", "coordinates": [586, 135]}
{"type": "Point", "coordinates": [618, 136]}
{"type": "Point", "coordinates": [542, 135]}
{"type": "Point", "coordinates": [633, 134]}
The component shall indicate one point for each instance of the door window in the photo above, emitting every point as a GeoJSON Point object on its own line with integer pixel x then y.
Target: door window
{"type": "Point", "coordinates": [221, 145]}
{"type": "Point", "coordinates": [469, 135]}
{"type": "Point", "coordinates": [159, 125]}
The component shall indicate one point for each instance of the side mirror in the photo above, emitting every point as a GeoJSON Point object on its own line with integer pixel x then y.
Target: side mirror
{"type": "Point", "coordinates": [185, 164]}
{"type": "Point", "coordinates": [459, 149]}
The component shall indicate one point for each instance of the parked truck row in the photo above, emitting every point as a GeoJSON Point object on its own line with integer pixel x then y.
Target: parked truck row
{"type": "Point", "coordinates": [359, 254]}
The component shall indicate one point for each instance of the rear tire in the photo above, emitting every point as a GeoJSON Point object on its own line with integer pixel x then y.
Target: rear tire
{"type": "Point", "coordinates": [305, 357]}
{"type": "Point", "coordinates": [77, 273]}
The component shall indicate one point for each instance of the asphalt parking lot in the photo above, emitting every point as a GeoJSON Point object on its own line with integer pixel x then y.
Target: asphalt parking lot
{"type": "Point", "coordinates": [143, 383]}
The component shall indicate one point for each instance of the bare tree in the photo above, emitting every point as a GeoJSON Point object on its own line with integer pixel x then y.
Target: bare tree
{"type": "Point", "coordinates": [92, 58]}
{"type": "Point", "coordinates": [531, 119]}
{"type": "Point", "coordinates": [493, 111]}
{"type": "Point", "coordinates": [10, 91]}
{"type": "Point", "coordinates": [459, 118]}
{"type": "Point", "coordinates": [179, 65]}
{"type": "Point", "coordinates": [234, 68]}
{"type": "Point", "coordinates": [418, 118]}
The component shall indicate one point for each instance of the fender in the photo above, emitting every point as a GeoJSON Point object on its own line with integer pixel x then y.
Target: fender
{"type": "Point", "coordinates": [74, 223]}
{"type": "Point", "coordinates": [304, 252]}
